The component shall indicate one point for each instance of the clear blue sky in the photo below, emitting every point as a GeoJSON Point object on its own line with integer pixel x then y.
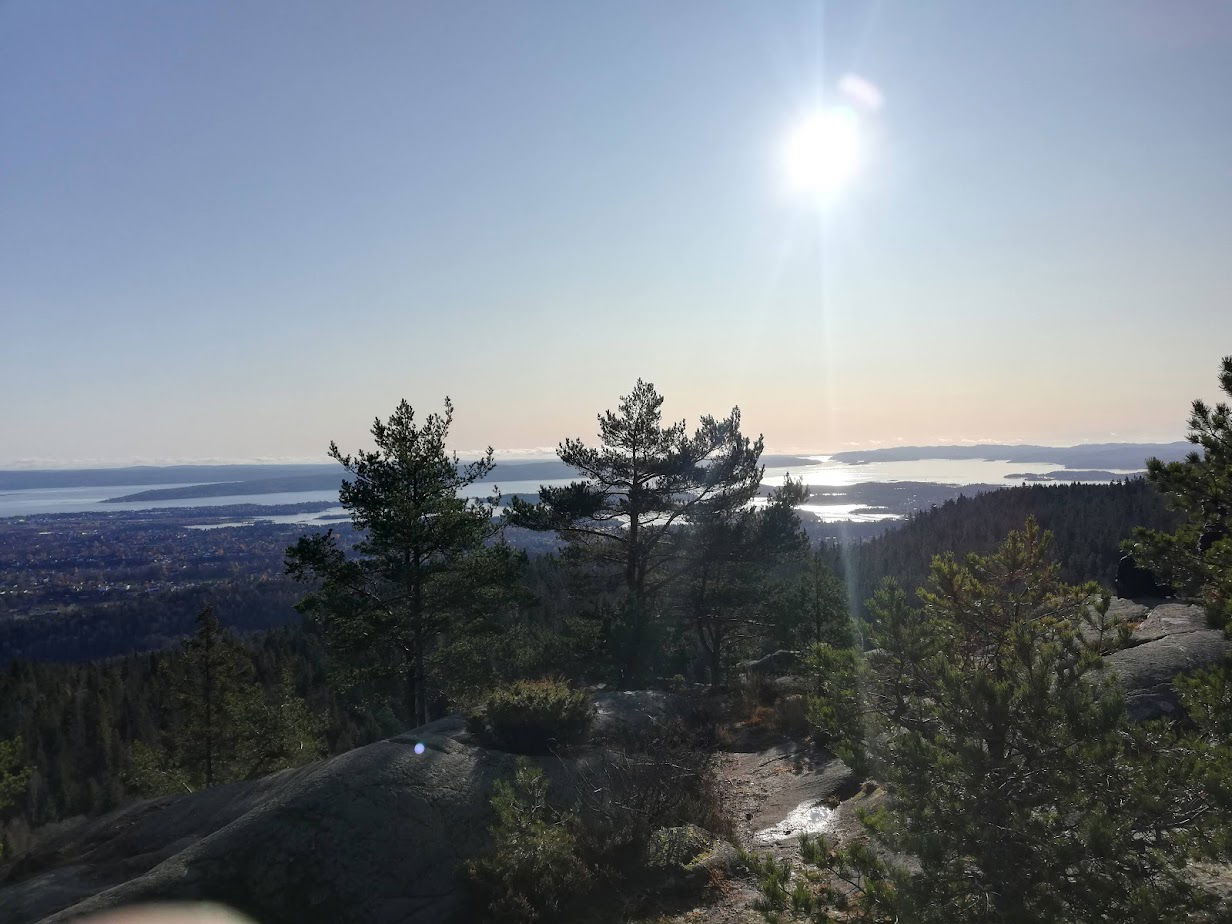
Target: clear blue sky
{"type": "Point", "coordinates": [240, 230]}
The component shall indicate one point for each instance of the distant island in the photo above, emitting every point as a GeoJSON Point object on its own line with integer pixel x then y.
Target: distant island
{"type": "Point", "coordinates": [1091, 456]}
{"type": "Point", "coordinates": [292, 484]}
{"type": "Point", "coordinates": [1071, 474]}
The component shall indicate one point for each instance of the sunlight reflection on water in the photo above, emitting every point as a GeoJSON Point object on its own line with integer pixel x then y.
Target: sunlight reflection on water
{"type": "Point", "coordinates": [805, 818]}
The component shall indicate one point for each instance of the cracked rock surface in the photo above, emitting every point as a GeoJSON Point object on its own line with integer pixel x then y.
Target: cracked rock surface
{"type": "Point", "coordinates": [1170, 639]}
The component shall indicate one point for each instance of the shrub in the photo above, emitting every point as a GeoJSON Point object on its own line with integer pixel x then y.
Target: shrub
{"type": "Point", "coordinates": [534, 868]}
{"type": "Point", "coordinates": [537, 716]}
{"type": "Point", "coordinates": [661, 777]}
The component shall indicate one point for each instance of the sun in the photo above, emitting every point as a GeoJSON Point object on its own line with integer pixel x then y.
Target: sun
{"type": "Point", "coordinates": [822, 153]}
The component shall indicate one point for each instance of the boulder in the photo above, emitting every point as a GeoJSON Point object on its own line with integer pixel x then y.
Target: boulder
{"type": "Point", "coordinates": [1170, 619]}
{"type": "Point", "coordinates": [1122, 610]}
{"type": "Point", "coordinates": [1172, 639]}
{"type": "Point", "coordinates": [791, 685]}
{"type": "Point", "coordinates": [378, 834]}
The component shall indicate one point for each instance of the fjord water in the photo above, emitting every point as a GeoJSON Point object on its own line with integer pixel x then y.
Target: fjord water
{"type": "Point", "coordinates": [823, 473]}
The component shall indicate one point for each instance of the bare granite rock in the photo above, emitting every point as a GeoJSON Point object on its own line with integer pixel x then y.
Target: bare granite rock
{"type": "Point", "coordinates": [377, 834]}
{"type": "Point", "coordinates": [1170, 619]}
{"type": "Point", "coordinates": [1172, 639]}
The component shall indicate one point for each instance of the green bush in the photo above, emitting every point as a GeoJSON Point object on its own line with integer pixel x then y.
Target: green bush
{"type": "Point", "coordinates": [537, 716]}
{"type": "Point", "coordinates": [534, 868]}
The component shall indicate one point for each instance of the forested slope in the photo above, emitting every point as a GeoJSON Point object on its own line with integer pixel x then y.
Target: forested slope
{"type": "Point", "coordinates": [1088, 523]}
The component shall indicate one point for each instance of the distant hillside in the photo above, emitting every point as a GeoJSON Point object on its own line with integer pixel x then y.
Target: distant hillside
{"type": "Point", "coordinates": [1088, 520]}
{"type": "Point", "coordinates": [291, 483]}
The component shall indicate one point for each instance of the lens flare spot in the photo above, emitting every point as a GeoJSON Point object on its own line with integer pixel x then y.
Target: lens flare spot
{"type": "Point", "coordinates": [861, 91]}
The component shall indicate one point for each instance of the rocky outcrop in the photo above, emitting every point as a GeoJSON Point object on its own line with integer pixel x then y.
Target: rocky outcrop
{"type": "Point", "coordinates": [1170, 639]}
{"type": "Point", "coordinates": [376, 834]}
{"type": "Point", "coordinates": [380, 833]}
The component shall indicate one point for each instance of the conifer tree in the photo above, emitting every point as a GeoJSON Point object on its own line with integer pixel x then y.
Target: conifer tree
{"type": "Point", "coordinates": [817, 605]}
{"type": "Point", "coordinates": [385, 607]}
{"type": "Point", "coordinates": [1014, 778]}
{"type": "Point", "coordinates": [641, 482]}
{"type": "Point", "coordinates": [14, 775]}
{"type": "Point", "coordinates": [736, 565]}
{"type": "Point", "coordinates": [1196, 559]}
{"type": "Point", "coordinates": [222, 726]}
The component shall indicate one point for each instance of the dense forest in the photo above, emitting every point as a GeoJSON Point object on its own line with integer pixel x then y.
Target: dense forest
{"type": "Point", "coordinates": [1088, 523]}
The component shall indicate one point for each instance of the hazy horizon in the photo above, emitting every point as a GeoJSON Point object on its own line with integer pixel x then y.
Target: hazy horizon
{"type": "Point", "coordinates": [242, 232]}
{"type": "Point", "coordinates": [508, 455]}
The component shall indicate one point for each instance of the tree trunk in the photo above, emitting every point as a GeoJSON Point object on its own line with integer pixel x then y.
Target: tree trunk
{"type": "Point", "coordinates": [716, 658]}
{"type": "Point", "coordinates": [637, 616]}
{"type": "Point", "coordinates": [420, 684]}
{"type": "Point", "coordinates": [409, 699]}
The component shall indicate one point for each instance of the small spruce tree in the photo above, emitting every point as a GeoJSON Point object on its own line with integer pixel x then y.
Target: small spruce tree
{"type": "Point", "coordinates": [14, 775]}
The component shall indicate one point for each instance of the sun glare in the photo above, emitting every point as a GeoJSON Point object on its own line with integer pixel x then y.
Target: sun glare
{"type": "Point", "coordinates": [822, 153]}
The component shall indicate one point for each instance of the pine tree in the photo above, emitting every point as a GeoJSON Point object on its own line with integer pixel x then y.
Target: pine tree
{"type": "Point", "coordinates": [736, 565]}
{"type": "Point", "coordinates": [1196, 559]}
{"type": "Point", "coordinates": [1014, 778]}
{"type": "Point", "coordinates": [385, 608]}
{"type": "Point", "coordinates": [222, 726]}
{"type": "Point", "coordinates": [643, 480]}
{"type": "Point", "coordinates": [14, 775]}
{"type": "Point", "coordinates": [817, 612]}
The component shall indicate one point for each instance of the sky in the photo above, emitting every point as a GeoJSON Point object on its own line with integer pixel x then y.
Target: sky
{"type": "Point", "coordinates": [240, 230]}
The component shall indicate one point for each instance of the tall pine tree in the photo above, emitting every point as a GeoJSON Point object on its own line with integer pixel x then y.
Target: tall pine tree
{"type": "Point", "coordinates": [385, 607]}
{"type": "Point", "coordinates": [642, 481]}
